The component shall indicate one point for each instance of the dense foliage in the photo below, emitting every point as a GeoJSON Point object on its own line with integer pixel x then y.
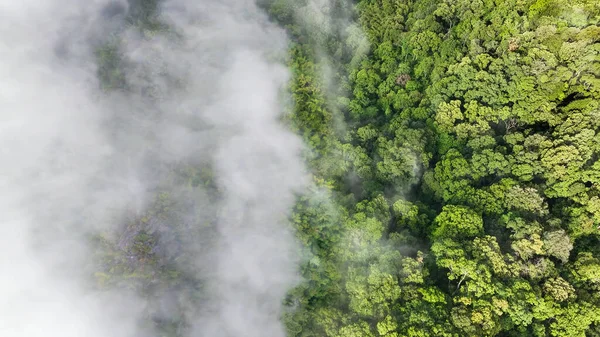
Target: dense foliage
{"type": "Point", "coordinates": [456, 172]}
{"type": "Point", "coordinates": [461, 197]}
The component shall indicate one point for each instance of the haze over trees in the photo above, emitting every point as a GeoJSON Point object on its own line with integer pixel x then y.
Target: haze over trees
{"type": "Point", "coordinates": [448, 184]}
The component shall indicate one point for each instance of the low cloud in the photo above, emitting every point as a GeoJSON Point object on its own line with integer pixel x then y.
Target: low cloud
{"type": "Point", "coordinates": [203, 90]}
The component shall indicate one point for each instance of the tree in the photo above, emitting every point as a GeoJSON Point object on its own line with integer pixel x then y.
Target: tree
{"type": "Point", "coordinates": [457, 222]}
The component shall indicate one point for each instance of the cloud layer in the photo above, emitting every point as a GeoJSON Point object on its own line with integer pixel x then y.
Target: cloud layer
{"type": "Point", "coordinates": [203, 90]}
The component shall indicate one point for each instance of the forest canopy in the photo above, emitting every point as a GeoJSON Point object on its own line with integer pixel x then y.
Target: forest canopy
{"type": "Point", "coordinates": [463, 186]}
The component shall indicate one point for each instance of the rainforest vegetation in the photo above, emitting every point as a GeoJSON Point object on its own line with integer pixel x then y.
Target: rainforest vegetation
{"type": "Point", "coordinates": [455, 153]}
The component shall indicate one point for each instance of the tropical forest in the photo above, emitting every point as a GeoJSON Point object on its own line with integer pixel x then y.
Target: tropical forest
{"type": "Point", "coordinates": [311, 168]}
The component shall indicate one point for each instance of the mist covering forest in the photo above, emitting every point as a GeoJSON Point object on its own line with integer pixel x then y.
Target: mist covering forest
{"type": "Point", "coordinates": [308, 168]}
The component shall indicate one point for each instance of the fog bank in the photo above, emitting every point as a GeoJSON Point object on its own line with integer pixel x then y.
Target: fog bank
{"type": "Point", "coordinates": [202, 89]}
